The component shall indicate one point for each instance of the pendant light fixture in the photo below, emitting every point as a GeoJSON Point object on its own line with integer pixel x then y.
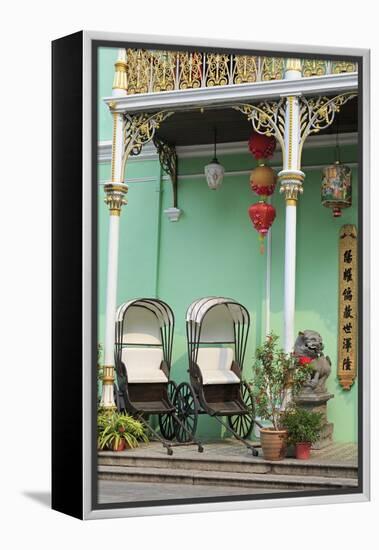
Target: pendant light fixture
{"type": "Point", "coordinates": [336, 184]}
{"type": "Point", "coordinates": [214, 171]}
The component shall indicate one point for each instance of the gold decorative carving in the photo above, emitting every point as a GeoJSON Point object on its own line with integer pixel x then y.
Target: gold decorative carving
{"type": "Point", "coordinates": [138, 71]}
{"type": "Point", "coordinates": [245, 69]}
{"type": "Point", "coordinates": [217, 69]}
{"type": "Point", "coordinates": [318, 113]}
{"type": "Point", "coordinates": [139, 129]}
{"type": "Point", "coordinates": [348, 306]}
{"type": "Point", "coordinates": [120, 80]}
{"type": "Point", "coordinates": [339, 67]}
{"type": "Point", "coordinates": [314, 67]}
{"type": "Point", "coordinates": [272, 68]}
{"type": "Point", "coordinates": [115, 197]}
{"type": "Point", "coordinates": [291, 190]}
{"type": "Point", "coordinates": [108, 375]}
{"type": "Point", "coordinates": [190, 70]}
{"type": "Point", "coordinates": [267, 118]}
{"type": "Point", "coordinates": [163, 71]}
{"type": "Point", "coordinates": [149, 71]}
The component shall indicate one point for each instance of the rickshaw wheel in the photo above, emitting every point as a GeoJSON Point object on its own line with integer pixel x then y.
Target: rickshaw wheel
{"type": "Point", "coordinates": [167, 421]}
{"type": "Point", "coordinates": [243, 424]}
{"type": "Point", "coordinates": [186, 412]}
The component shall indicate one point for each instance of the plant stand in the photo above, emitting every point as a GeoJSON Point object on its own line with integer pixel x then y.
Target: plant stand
{"type": "Point", "coordinates": [318, 402]}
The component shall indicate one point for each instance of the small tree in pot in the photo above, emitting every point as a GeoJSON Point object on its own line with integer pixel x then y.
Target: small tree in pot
{"type": "Point", "coordinates": [303, 428]}
{"type": "Point", "coordinates": [117, 431]}
{"type": "Point", "coordinates": [278, 377]}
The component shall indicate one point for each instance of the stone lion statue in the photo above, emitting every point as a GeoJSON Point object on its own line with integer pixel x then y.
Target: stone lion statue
{"type": "Point", "coordinates": [309, 344]}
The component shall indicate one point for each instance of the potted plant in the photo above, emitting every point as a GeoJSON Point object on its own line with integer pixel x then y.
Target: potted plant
{"type": "Point", "coordinates": [117, 431]}
{"type": "Point", "coordinates": [303, 428]}
{"type": "Point", "coordinates": [278, 377]}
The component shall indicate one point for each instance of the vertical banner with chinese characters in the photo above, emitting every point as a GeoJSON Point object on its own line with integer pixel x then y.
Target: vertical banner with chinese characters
{"type": "Point", "coordinates": [348, 306]}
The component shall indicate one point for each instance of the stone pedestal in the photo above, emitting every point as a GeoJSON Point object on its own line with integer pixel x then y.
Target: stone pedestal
{"type": "Point", "coordinates": [318, 402]}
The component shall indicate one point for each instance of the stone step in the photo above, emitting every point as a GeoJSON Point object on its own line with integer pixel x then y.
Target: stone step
{"type": "Point", "coordinates": [246, 465]}
{"type": "Point", "coordinates": [202, 477]}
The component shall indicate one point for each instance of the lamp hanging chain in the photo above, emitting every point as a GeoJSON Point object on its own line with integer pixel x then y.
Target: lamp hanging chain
{"type": "Point", "coordinates": [215, 141]}
{"type": "Point", "coordinates": [338, 151]}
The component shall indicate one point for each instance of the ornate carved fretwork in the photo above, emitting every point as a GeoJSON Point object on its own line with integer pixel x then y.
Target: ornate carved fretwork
{"type": "Point", "coordinates": [314, 67]}
{"type": "Point", "coordinates": [163, 71]}
{"type": "Point", "coordinates": [339, 67]}
{"type": "Point", "coordinates": [272, 68]}
{"type": "Point", "coordinates": [318, 113]}
{"type": "Point", "coordinates": [314, 115]}
{"type": "Point", "coordinates": [245, 69]}
{"type": "Point", "coordinates": [150, 71]}
{"type": "Point", "coordinates": [217, 69]}
{"type": "Point", "coordinates": [169, 162]}
{"type": "Point", "coordinates": [190, 70]}
{"type": "Point", "coordinates": [139, 129]}
{"type": "Point", "coordinates": [138, 71]}
{"type": "Point", "coordinates": [267, 118]}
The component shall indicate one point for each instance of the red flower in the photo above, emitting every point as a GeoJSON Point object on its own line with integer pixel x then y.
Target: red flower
{"type": "Point", "coordinates": [304, 360]}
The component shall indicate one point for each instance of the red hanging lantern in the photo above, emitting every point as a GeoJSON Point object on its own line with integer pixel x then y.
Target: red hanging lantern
{"type": "Point", "coordinates": [261, 146]}
{"type": "Point", "coordinates": [262, 215]}
{"type": "Point", "coordinates": [263, 180]}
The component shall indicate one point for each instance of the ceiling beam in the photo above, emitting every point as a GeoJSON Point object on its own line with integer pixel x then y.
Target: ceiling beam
{"type": "Point", "coordinates": [218, 96]}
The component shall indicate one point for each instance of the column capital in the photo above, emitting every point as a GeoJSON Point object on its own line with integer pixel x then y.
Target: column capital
{"type": "Point", "coordinates": [120, 84]}
{"type": "Point", "coordinates": [115, 197]}
{"type": "Point", "coordinates": [291, 185]}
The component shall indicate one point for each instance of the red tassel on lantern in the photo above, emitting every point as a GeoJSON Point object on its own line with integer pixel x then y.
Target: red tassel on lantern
{"type": "Point", "coordinates": [261, 146]}
{"type": "Point", "coordinates": [263, 180]}
{"type": "Point", "coordinates": [262, 216]}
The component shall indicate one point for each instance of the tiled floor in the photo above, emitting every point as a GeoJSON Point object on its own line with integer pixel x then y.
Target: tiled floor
{"type": "Point", "coordinates": [337, 453]}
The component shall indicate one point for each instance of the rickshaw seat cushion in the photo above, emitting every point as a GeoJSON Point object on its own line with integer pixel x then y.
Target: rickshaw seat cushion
{"type": "Point", "coordinates": [215, 366]}
{"type": "Point", "coordinates": [143, 365]}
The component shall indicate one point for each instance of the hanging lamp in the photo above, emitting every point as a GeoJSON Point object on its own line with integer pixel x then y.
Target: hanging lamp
{"type": "Point", "coordinates": [336, 184]}
{"type": "Point", "coordinates": [214, 171]}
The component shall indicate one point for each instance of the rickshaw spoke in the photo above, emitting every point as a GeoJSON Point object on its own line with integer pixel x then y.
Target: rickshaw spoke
{"type": "Point", "coordinates": [243, 424]}
{"type": "Point", "coordinates": [186, 412]}
{"type": "Point", "coordinates": [166, 421]}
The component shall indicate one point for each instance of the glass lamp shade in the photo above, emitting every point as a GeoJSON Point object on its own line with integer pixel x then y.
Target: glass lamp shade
{"type": "Point", "coordinates": [214, 173]}
{"type": "Point", "coordinates": [336, 188]}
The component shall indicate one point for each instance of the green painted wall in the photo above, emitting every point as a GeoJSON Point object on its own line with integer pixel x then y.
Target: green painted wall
{"type": "Point", "coordinates": [213, 249]}
{"type": "Point", "coordinates": [317, 280]}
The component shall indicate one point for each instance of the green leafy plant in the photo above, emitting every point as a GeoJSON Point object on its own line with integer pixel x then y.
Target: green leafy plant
{"type": "Point", "coordinates": [277, 375]}
{"type": "Point", "coordinates": [115, 427]}
{"type": "Point", "coordinates": [302, 425]}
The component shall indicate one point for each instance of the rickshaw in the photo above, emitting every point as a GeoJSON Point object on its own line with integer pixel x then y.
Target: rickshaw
{"type": "Point", "coordinates": [217, 331]}
{"type": "Point", "coordinates": [143, 349]}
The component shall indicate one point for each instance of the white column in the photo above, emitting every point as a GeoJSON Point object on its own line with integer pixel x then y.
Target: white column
{"type": "Point", "coordinates": [289, 277]}
{"type": "Point", "coordinates": [291, 178]}
{"type": "Point", "coordinates": [115, 198]}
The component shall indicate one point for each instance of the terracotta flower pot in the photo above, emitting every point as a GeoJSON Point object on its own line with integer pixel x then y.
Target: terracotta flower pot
{"type": "Point", "coordinates": [274, 443]}
{"type": "Point", "coordinates": [303, 450]}
{"type": "Point", "coordinates": [121, 446]}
